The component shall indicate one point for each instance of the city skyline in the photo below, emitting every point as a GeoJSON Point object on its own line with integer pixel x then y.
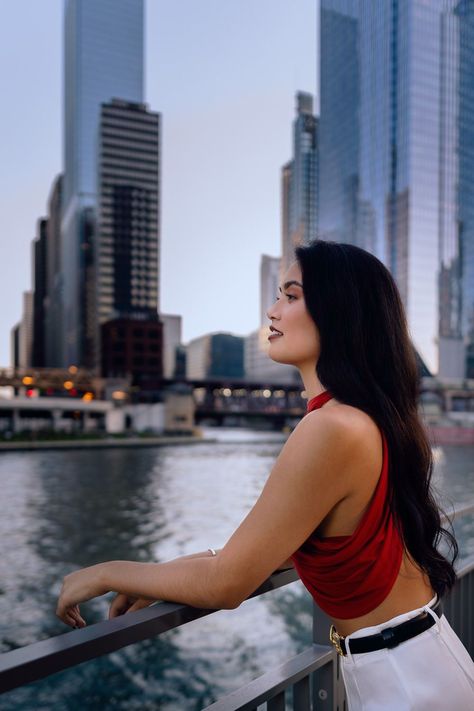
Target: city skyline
{"type": "Point", "coordinates": [202, 109]}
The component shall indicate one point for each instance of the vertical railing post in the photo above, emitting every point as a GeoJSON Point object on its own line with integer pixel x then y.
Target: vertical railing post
{"type": "Point", "coordinates": [328, 687]}
{"type": "Point", "coordinates": [459, 608]}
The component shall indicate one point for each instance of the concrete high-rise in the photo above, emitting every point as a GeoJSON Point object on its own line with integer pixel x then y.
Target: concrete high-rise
{"type": "Point", "coordinates": [269, 282]}
{"type": "Point", "coordinates": [126, 247]}
{"type": "Point", "coordinates": [39, 294]}
{"type": "Point", "coordinates": [172, 341]}
{"type": "Point", "coordinates": [299, 179]}
{"type": "Point", "coordinates": [126, 236]}
{"type": "Point", "coordinates": [103, 59]}
{"type": "Point", "coordinates": [25, 334]}
{"type": "Point", "coordinates": [396, 157]}
{"type": "Point", "coordinates": [53, 336]}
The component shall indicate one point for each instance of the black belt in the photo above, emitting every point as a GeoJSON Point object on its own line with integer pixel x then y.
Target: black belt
{"type": "Point", "coordinates": [388, 637]}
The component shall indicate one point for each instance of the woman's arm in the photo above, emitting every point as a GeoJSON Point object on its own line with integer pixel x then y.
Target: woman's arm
{"type": "Point", "coordinates": [137, 584]}
{"type": "Point", "coordinates": [284, 566]}
{"type": "Point", "coordinates": [122, 604]}
{"type": "Point", "coordinates": [308, 479]}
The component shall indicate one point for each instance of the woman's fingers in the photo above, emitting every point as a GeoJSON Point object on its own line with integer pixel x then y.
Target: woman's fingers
{"type": "Point", "coordinates": [69, 619]}
{"type": "Point", "coordinates": [72, 618]}
{"type": "Point", "coordinates": [70, 614]}
{"type": "Point", "coordinates": [78, 617]}
{"type": "Point", "coordinates": [140, 604]}
{"type": "Point", "coordinates": [120, 604]}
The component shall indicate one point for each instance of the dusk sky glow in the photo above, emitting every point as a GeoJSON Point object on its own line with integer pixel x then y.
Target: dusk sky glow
{"type": "Point", "coordinates": [224, 77]}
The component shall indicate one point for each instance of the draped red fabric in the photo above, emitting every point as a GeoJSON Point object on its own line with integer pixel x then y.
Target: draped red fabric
{"type": "Point", "coordinates": [348, 576]}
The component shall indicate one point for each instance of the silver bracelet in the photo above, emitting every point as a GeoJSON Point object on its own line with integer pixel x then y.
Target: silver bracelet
{"type": "Point", "coordinates": [212, 551]}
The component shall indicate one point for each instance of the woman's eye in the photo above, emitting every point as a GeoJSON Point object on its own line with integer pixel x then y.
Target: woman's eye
{"type": "Point", "coordinates": [290, 296]}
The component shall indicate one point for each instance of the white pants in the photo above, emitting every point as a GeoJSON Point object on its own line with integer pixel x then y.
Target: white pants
{"type": "Point", "coordinates": [430, 672]}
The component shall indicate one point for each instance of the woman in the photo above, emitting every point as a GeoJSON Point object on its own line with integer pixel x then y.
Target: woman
{"type": "Point", "coordinates": [347, 502]}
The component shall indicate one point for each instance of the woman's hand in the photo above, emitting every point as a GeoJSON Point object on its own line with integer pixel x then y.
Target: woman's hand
{"type": "Point", "coordinates": [122, 604]}
{"type": "Point", "coordinates": [79, 586]}
{"type": "Point", "coordinates": [191, 581]}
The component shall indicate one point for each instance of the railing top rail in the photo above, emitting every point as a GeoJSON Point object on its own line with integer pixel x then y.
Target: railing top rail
{"type": "Point", "coordinates": [276, 680]}
{"type": "Point", "coordinates": [460, 510]}
{"type": "Point", "coordinates": [465, 567]}
{"type": "Point", "coordinates": [37, 660]}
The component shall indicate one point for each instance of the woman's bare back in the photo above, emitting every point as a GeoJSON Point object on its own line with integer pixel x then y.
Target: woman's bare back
{"type": "Point", "coordinates": [412, 587]}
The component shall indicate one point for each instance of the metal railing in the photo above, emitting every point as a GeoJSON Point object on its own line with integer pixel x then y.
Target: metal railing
{"type": "Point", "coordinates": [310, 680]}
{"type": "Point", "coordinates": [40, 659]}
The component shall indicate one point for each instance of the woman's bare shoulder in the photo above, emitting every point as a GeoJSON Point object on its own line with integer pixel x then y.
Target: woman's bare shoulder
{"type": "Point", "coordinates": [347, 419]}
{"type": "Point", "coordinates": [361, 437]}
{"type": "Point", "coordinates": [345, 434]}
{"type": "Point", "coordinates": [357, 432]}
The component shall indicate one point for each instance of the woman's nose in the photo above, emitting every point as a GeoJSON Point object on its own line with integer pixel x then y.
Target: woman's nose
{"type": "Point", "coordinates": [271, 312]}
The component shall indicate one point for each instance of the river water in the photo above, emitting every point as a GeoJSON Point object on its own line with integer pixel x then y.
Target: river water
{"type": "Point", "coordinates": [63, 510]}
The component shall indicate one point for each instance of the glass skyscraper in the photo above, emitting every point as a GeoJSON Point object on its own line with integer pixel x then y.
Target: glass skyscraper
{"type": "Point", "coordinates": [459, 259]}
{"type": "Point", "coordinates": [299, 181]}
{"type": "Point", "coordinates": [103, 60]}
{"type": "Point", "coordinates": [396, 157]}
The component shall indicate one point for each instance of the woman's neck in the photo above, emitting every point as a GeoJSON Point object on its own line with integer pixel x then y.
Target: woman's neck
{"type": "Point", "coordinates": [312, 384]}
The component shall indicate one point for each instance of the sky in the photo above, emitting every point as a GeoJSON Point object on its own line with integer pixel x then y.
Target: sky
{"type": "Point", "coordinates": [224, 75]}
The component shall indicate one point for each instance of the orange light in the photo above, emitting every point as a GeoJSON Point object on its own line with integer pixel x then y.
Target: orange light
{"type": "Point", "coordinates": [28, 380]}
{"type": "Point", "coordinates": [72, 369]}
{"type": "Point", "coordinates": [68, 384]}
{"type": "Point", "coordinates": [88, 397]}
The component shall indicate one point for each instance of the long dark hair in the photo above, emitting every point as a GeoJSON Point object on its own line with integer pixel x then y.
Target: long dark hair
{"type": "Point", "coordinates": [367, 360]}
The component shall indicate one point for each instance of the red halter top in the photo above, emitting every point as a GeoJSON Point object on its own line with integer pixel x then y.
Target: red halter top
{"type": "Point", "coordinates": [348, 576]}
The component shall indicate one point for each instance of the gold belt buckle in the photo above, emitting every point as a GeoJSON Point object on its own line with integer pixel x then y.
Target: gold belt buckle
{"type": "Point", "coordinates": [335, 638]}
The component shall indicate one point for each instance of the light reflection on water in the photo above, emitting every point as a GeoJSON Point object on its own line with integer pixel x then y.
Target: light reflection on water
{"type": "Point", "coordinates": [63, 510]}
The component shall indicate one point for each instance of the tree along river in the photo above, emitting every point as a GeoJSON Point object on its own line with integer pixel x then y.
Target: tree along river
{"type": "Point", "coordinates": [64, 510]}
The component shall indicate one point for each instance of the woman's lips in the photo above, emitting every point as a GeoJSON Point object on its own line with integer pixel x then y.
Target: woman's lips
{"type": "Point", "coordinates": [274, 335]}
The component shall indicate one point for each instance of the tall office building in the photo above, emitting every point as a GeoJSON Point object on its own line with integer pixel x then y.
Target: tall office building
{"type": "Point", "coordinates": [126, 247]}
{"type": "Point", "coordinates": [103, 59]}
{"type": "Point", "coordinates": [338, 160]}
{"type": "Point", "coordinates": [285, 198]}
{"type": "Point", "coordinates": [25, 334]}
{"type": "Point", "coordinates": [299, 179]}
{"type": "Point", "coordinates": [15, 346]}
{"type": "Point", "coordinates": [396, 157]}
{"type": "Point", "coordinates": [53, 298]}
{"type": "Point", "coordinates": [457, 159]}
{"type": "Point", "coordinates": [126, 236]}
{"type": "Point", "coordinates": [215, 355]}
{"type": "Point", "coordinates": [39, 294]}
{"type": "Point", "coordinates": [172, 342]}
{"type": "Point", "coordinates": [269, 282]}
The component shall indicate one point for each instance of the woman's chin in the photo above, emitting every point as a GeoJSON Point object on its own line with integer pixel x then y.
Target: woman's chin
{"type": "Point", "coordinates": [278, 357]}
